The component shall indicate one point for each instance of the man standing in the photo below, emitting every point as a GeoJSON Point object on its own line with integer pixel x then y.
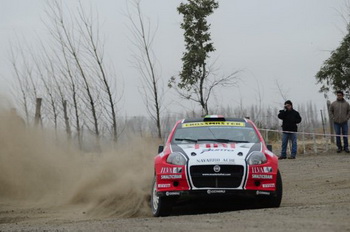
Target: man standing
{"type": "Point", "coordinates": [290, 118]}
{"type": "Point", "coordinates": [340, 113]}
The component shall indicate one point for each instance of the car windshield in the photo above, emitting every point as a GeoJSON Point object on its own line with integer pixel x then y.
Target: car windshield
{"type": "Point", "coordinates": [221, 134]}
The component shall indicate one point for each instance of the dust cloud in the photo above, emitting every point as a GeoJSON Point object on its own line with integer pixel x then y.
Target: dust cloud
{"type": "Point", "coordinates": [40, 167]}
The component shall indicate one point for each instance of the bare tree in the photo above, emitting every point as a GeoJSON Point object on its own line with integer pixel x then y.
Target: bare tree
{"type": "Point", "coordinates": [62, 95]}
{"type": "Point", "coordinates": [90, 34]}
{"type": "Point", "coordinates": [21, 82]}
{"type": "Point", "coordinates": [282, 92]}
{"type": "Point", "coordinates": [65, 69]}
{"type": "Point", "coordinates": [54, 84]}
{"type": "Point", "coordinates": [80, 53]}
{"type": "Point", "coordinates": [24, 70]}
{"type": "Point", "coordinates": [144, 61]}
{"type": "Point", "coordinates": [259, 100]}
{"type": "Point", "coordinates": [65, 34]}
{"type": "Point", "coordinates": [48, 87]}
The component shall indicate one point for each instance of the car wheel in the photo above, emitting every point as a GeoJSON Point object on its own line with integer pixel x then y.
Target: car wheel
{"type": "Point", "coordinates": [274, 200]}
{"type": "Point", "coordinates": [161, 206]}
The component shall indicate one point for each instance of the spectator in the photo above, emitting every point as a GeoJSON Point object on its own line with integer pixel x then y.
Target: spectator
{"type": "Point", "coordinates": [290, 118]}
{"type": "Point", "coordinates": [340, 113]}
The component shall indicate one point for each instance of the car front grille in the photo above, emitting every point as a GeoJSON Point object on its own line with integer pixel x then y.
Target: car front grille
{"type": "Point", "coordinates": [228, 176]}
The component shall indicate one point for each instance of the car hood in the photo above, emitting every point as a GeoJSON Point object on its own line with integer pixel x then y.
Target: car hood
{"type": "Point", "coordinates": [208, 154]}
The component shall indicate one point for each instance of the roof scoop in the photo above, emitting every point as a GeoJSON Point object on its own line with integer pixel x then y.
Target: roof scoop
{"type": "Point", "coordinates": [214, 118]}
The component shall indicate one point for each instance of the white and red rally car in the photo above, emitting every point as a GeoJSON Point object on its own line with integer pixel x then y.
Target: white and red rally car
{"type": "Point", "coordinates": [215, 156]}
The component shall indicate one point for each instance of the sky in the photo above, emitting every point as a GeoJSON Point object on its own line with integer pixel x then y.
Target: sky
{"type": "Point", "coordinates": [269, 42]}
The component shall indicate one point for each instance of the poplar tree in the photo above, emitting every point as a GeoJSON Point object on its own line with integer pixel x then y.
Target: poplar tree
{"type": "Point", "coordinates": [198, 46]}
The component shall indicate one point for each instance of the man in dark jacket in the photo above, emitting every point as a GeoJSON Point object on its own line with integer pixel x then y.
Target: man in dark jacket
{"type": "Point", "coordinates": [290, 118]}
{"type": "Point", "coordinates": [340, 113]}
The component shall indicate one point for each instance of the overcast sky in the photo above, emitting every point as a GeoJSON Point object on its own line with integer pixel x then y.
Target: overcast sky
{"type": "Point", "coordinates": [269, 40]}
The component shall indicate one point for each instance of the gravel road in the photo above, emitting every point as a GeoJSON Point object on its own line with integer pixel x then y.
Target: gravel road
{"type": "Point", "coordinates": [316, 198]}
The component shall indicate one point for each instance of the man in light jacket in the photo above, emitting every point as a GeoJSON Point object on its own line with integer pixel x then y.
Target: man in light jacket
{"type": "Point", "coordinates": [340, 113]}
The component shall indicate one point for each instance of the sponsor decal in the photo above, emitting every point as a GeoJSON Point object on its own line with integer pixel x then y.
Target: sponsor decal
{"type": "Point", "coordinates": [262, 176]}
{"type": "Point", "coordinates": [262, 193]}
{"type": "Point", "coordinates": [272, 185]}
{"type": "Point", "coordinates": [216, 174]}
{"type": "Point", "coordinates": [171, 170]}
{"type": "Point", "coordinates": [165, 177]}
{"type": "Point", "coordinates": [211, 191]}
{"type": "Point", "coordinates": [164, 185]}
{"type": "Point", "coordinates": [215, 145]}
{"type": "Point", "coordinates": [209, 160]}
{"type": "Point", "coordinates": [214, 123]}
{"type": "Point", "coordinates": [261, 169]}
{"type": "Point", "coordinates": [216, 160]}
{"type": "Point", "coordinates": [172, 193]}
{"type": "Point", "coordinates": [217, 150]}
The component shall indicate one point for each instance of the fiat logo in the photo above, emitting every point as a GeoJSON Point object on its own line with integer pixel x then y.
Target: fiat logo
{"type": "Point", "coordinates": [217, 168]}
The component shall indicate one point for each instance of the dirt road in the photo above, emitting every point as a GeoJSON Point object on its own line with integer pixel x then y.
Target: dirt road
{"type": "Point", "coordinates": [316, 198]}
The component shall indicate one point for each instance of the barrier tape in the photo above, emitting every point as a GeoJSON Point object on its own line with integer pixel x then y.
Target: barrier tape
{"type": "Point", "coordinates": [305, 133]}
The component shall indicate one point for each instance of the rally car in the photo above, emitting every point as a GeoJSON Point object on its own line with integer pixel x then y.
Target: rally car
{"type": "Point", "coordinates": [215, 156]}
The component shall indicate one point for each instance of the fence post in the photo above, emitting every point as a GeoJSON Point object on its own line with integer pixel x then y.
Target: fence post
{"type": "Point", "coordinates": [331, 123]}
{"type": "Point", "coordinates": [314, 138]}
{"type": "Point", "coordinates": [324, 133]}
{"type": "Point", "coordinates": [304, 150]}
{"type": "Point", "coordinates": [315, 143]}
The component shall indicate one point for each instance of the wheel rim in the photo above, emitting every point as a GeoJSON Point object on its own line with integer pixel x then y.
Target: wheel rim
{"type": "Point", "coordinates": [155, 198]}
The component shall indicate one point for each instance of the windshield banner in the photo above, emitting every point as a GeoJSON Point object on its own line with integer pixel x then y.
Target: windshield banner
{"type": "Point", "coordinates": [198, 124]}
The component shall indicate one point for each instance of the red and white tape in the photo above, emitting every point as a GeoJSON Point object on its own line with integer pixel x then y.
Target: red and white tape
{"type": "Point", "coordinates": [305, 133]}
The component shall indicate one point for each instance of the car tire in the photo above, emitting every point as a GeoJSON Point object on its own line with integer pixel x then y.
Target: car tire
{"type": "Point", "coordinates": [161, 205]}
{"type": "Point", "coordinates": [274, 200]}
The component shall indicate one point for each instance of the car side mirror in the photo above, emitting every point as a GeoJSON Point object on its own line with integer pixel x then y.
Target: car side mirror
{"type": "Point", "coordinates": [269, 147]}
{"type": "Point", "coordinates": [160, 148]}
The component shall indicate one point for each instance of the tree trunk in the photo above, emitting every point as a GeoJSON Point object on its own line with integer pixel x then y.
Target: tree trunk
{"type": "Point", "coordinates": [201, 92]}
{"type": "Point", "coordinates": [66, 120]}
{"type": "Point", "coordinates": [38, 112]}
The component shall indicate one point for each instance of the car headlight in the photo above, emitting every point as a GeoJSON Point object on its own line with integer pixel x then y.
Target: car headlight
{"type": "Point", "coordinates": [257, 157]}
{"type": "Point", "coordinates": [176, 158]}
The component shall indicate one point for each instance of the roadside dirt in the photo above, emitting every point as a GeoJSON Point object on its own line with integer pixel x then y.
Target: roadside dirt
{"type": "Point", "coordinates": [46, 186]}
